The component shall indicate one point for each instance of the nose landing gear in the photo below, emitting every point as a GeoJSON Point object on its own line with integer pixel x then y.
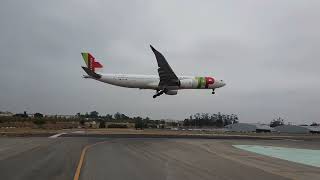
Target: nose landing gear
{"type": "Point", "coordinates": [213, 91]}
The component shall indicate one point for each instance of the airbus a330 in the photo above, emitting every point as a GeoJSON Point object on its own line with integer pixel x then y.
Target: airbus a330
{"type": "Point", "coordinates": [166, 82]}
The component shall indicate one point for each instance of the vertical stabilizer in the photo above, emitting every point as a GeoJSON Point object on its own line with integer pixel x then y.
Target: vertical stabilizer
{"type": "Point", "coordinates": [90, 61]}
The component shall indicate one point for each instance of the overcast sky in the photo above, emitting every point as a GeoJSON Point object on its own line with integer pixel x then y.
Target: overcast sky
{"type": "Point", "coordinates": [268, 53]}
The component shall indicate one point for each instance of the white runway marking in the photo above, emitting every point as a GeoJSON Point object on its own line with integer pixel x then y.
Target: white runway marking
{"type": "Point", "coordinates": [57, 135]}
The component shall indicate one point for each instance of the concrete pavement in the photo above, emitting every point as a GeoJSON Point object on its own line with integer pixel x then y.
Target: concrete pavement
{"type": "Point", "coordinates": [146, 158]}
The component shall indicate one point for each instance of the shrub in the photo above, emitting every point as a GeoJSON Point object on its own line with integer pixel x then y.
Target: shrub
{"type": "Point", "coordinates": [39, 122]}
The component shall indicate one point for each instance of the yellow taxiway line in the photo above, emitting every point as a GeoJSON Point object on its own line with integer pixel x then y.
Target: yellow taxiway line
{"type": "Point", "coordinates": [83, 153]}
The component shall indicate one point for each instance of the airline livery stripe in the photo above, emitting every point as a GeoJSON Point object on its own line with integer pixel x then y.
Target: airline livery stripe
{"type": "Point", "coordinates": [85, 57]}
{"type": "Point", "coordinates": [201, 82]}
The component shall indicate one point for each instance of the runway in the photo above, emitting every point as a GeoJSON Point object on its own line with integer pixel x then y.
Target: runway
{"type": "Point", "coordinates": [146, 158]}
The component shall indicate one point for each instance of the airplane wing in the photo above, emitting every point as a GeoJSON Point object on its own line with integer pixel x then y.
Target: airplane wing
{"type": "Point", "coordinates": [166, 74]}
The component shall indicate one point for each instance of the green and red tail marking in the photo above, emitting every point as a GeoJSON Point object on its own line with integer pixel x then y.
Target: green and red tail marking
{"type": "Point", "coordinates": [90, 61]}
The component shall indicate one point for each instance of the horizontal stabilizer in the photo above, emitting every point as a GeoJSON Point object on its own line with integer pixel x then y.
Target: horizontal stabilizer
{"type": "Point", "coordinates": [91, 73]}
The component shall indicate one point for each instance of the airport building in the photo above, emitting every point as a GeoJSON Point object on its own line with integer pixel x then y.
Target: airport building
{"type": "Point", "coordinates": [249, 127]}
{"type": "Point", "coordinates": [297, 129]}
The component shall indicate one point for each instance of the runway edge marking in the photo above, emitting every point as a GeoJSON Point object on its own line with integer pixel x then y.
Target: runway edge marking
{"type": "Point", "coordinates": [83, 153]}
{"type": "Point", "coordinates": [57, 135]}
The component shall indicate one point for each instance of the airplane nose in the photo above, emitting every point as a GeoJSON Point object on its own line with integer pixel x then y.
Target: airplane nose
{"type": "Point", "coordinates": [222, 83]}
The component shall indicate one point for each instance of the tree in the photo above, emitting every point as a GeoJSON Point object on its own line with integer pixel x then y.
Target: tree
{"type": "Point", "coordinates": [82, 121]}
{"type": "Point", "coordinates": [38, 115]}
{"type": "Point", "coordinates": [277, 122]}
{"type": "Point", "coordinates": [94, 114]}
{"type": "Point", "coordinates": [102, 124]}
{"type": "Point", "coordinates": [186, 122]}
{"type": "Point", "coordinates": [138, 124]}
{"type": "Point", "coordinates": [235, 119]}
{"type": "Point", "coordinates": [25, 115]}
{"type": "Point", "coordinates": [124, 117]}
{"type": "Point", "coordinates": [314, 124]}
{"type": "Point", "coordinates": [117, 116]}
{"type": "Point", "coordinates": [109, 117]}
{"type": "Point", "coordinates": [219, 122]}
{"type": "Point", "coordinates": [147, 119]}
{"type": "Point", "coordinates": [206, 119]}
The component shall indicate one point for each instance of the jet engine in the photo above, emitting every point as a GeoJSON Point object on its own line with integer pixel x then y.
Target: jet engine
{"type": "Point", "coordinates": [172, 92]}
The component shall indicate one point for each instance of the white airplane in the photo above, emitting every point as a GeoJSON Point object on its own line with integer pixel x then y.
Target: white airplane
{"type": "Point", "coordinates": [166, 83]}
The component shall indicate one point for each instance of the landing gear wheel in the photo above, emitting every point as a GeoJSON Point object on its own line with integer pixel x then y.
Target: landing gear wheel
{"type": "Point", "coordinates": [213, 92]}
{"type": "Point", "coordinates": [159, 93]}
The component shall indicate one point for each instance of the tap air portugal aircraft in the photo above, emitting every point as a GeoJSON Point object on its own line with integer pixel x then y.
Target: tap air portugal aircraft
{"type": "Point", "coordinates": [166, 83]}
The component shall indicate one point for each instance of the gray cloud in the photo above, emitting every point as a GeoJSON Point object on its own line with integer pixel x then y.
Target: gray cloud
{"type": "Point", "coordinates": [267, 52]}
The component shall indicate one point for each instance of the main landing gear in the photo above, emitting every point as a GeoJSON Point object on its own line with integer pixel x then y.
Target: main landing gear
{"type": "Point", "coordinates": [159, 93]}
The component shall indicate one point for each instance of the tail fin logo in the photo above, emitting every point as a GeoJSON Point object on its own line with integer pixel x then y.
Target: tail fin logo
{"type": "Point", "coordinates": [90, 61]}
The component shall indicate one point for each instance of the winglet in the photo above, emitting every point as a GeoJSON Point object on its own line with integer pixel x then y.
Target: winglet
{"type": "Point", "coordinates": [153, 49]}
{"type": "Point", "coordinates": [156, 52]}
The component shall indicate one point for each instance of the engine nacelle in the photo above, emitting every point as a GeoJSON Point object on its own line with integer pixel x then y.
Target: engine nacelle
{"type": "Point", "coordinates": [172, 92]}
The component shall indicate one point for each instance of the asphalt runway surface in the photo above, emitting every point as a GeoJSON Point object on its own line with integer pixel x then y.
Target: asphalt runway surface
{"type": "Point", "coordinates": [145, 158]}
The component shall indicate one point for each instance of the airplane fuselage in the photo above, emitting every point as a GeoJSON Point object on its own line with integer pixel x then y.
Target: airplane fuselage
{"type": "Point", "coordinates": [152, 81]}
